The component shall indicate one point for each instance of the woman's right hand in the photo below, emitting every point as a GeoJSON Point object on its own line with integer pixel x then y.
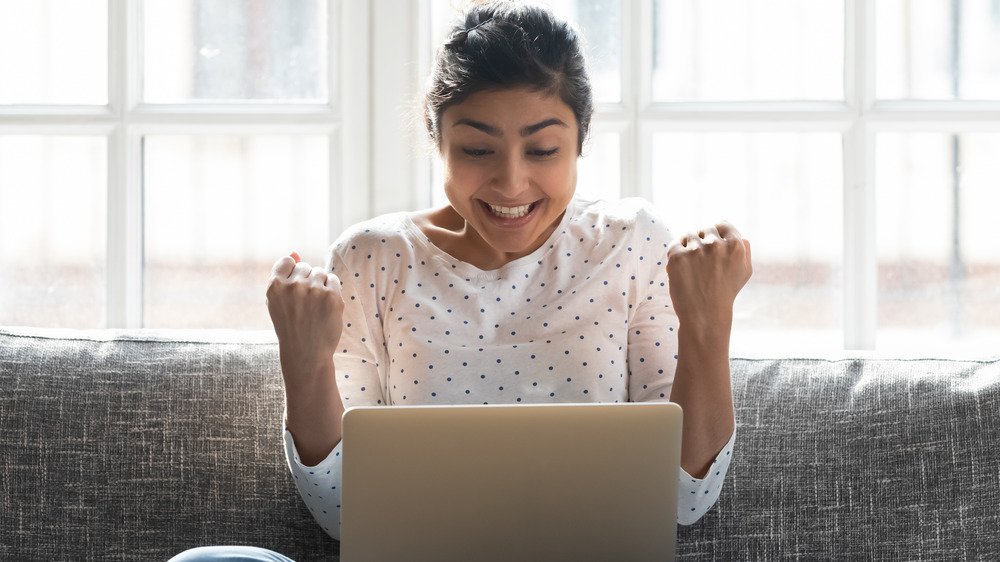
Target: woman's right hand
{"type": "Point", "coordinates": [307, 311]}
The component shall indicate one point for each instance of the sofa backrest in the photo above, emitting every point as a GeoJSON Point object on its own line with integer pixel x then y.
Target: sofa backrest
{"type": "Point", "coordinates": [125, 445]}
{"type": "Point", "coordinates": [859, 460]}
{"type": "Point", "coordinates": [138, 445]}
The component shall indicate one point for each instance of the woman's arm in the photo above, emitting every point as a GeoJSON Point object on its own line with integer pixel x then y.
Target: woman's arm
{"type": "Point", "coordinates": [702, 389]}
{"type": "Point", "coordinates": [306, 307]}
{"type": "Point", "coordinates": [706, 271]}
{"type": "Point", "coordinates": [313, 408]}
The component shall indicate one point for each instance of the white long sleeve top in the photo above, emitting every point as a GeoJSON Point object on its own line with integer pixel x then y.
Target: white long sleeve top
{"type": "Point", "coordinates": [584, 318]}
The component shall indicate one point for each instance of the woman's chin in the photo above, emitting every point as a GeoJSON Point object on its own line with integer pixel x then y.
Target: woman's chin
{"type": "Point", "coordinates": [514, 237]}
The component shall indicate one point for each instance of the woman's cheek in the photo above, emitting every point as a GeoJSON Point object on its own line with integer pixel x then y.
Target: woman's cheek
{"type": "Point", "coordinates": [463, 178]}
{"type": "Point", "coordinates": [560, 176]}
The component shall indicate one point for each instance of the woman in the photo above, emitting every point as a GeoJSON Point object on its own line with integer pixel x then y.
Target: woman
{"type": "Point", "coordinates": [516, 290]}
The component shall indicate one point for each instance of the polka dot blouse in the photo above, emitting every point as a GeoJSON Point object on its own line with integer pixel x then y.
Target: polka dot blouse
{"type": "Point", "coordinates": [585, 318]}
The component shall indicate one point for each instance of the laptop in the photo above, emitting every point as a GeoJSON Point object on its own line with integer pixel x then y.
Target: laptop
{"type": "Point", "coordinates": [510, 482]}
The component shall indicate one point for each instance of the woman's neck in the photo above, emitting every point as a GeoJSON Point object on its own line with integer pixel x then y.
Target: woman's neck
{"type": "Point", "coordinates": [451, 233]}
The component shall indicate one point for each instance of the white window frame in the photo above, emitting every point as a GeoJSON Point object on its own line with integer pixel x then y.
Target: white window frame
{"type": "Point", "coordinates": [125, 120]}
{"type": "Point", "coordinates": [858, 119]}
{"type": "Point", "coordinates": [377, 54]}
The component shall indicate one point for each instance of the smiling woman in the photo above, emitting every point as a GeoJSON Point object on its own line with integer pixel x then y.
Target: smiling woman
{"type": "Point", "coordinates": [512, 275]}
{"type": "Point", "coordinates": [514, 291]}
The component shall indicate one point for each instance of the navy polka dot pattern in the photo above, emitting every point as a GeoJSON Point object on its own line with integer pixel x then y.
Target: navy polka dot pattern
{"type": "Point", "coordinates": [585, 318]}
{"type": "Point", "coordinates": [696, 496]}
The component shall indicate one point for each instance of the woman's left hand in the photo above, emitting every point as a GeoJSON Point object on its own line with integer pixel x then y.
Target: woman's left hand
{"type": "Point", "coordinates": [706, 270]}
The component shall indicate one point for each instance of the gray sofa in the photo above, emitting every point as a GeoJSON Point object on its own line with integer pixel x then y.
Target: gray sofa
{"type": "Point", "coordinates": [137, 445]}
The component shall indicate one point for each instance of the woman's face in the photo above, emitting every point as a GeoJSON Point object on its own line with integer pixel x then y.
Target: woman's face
{"type": "Point", "coordinates": [510, 165]}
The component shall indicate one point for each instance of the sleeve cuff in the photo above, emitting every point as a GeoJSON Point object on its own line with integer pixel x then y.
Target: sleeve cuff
{"type": "Point", "coordinates": [292, 454]}
{"type": "Point", "coordinates": [320, 486]}
{"type": "Point", "coordinates": [695, 496]}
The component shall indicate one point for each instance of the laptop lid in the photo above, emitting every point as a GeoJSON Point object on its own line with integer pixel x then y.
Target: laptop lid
{"type": "Point", "coordinates": [511, 482]}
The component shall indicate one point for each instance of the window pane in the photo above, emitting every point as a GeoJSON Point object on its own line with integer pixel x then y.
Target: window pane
{"type": "Point", "coordinates": [600, 23]}
{"type": "Point", "coordinates": [783, 191]}
{"type": "Point", "coordinates": [938, 50]}
{"type": "Point", "coordinates": [219, 210]}
{"type": "Point", "coordinates": [717, 50]}
{"type": "Point", "coordinates": [53, 231]}
{"type": "Point", "coordinates": [599, 169]}
{"type": "Point", "coordinates": [234, 50]}
{"type": "Point", "coordinates": [54, 52]}
{"type": "Point", "coordinates": [598, 20]}
{"type": "Point", "coordinates": [939, 260]}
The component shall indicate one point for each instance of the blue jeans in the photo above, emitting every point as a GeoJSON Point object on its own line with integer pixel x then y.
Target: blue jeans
{"type": "Point", "coordinates": [230, 554]}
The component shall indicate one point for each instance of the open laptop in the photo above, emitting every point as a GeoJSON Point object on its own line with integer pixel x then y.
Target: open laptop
{"type": "Point", "coordinates": [511, 482]}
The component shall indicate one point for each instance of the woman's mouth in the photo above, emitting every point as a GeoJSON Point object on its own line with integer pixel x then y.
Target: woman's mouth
{"type": "Point", "coordinates": [511, 216]}
{"type": "Point", "coordinates": [510, 212]}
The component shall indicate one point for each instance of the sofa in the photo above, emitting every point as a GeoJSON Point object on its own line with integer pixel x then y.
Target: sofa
{"type": "Point", "coordinates": [136, 445]}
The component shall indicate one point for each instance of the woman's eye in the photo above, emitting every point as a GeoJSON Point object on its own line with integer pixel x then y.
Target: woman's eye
{"type": "Point", "coordinates": [480, 152]}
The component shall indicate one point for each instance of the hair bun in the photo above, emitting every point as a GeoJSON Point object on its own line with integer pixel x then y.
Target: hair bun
{"type": "Point", "coordinates": [460, 37]}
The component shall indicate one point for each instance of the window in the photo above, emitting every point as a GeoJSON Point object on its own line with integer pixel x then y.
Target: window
{"type": "Point", "coordinates": [156, 156]}
{"type": "Point", "coordinates": [159, 154]}
{"type": "Point", "coordinates": [743, 118]}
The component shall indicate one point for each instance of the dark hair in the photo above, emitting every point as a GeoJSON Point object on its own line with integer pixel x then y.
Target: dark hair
{"type": "Point", "coordinates": [502, 44]}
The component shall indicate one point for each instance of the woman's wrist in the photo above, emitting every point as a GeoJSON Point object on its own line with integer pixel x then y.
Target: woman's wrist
{"type": "Point", "coordinates": [303, 379]}
{"type": "Point", "coordinates": [706, 331]}
{"type": "Point", "coordinates": [313, 410]}
{"type": "Point", "coordinates": [304, 364]}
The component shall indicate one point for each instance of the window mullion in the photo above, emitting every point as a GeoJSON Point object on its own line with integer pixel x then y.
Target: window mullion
{"type": "Point", "coordinates": [423, 167]}
{"type": "Point", "coordinates": [124, 210]}
{"type": "Point", "coordinates": [637, 45]}
{"type": "Point", "coordinates": [395, 83]}
{"type": "Point", "coordinates": [353, 203]}
{"type": "Point", "coordinates": [860, 242]}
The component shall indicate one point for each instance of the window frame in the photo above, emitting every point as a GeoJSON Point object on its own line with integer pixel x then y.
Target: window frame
{"type": "Point", "coordinates": [373, 74]}
{"type": "Point", "coordinates": [125, 120]}
{"type": "Point", "coordinates": [859, 119]}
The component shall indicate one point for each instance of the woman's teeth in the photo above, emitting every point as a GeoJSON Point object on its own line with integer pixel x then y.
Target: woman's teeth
{"type": "Point", "coordinates": [510, 212]}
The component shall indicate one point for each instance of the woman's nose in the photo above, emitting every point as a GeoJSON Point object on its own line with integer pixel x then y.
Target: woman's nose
{"type": "Point", "coordinates": [512, 177]}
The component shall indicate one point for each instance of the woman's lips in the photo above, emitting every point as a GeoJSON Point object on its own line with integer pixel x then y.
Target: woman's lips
{"type": "Point", "coordinates": [511, 221]}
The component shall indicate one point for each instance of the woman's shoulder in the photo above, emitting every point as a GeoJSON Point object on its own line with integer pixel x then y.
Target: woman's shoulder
{"type": "Point", "coordinates": [625, 216]}
{"type": "Point", "coordinates": [376, 235]}
{"type": "Point", "coordinates": [625, 227]}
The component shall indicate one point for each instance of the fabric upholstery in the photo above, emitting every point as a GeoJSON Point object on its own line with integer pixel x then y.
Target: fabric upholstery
{"type": "Point", "coordinates": [859, 460]}
{"type": "Point", "coordinates": [140, 447]}
{"type": "Point", "coordinates": [136, 445]}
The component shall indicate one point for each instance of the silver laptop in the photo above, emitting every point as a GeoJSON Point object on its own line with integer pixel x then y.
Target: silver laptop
{"type": "Point", "coordinates": [511, 482]}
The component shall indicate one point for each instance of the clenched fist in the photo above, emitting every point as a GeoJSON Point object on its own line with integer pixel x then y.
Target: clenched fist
{"type": "Point", "coordinates": [706, 271]}
{"type": "Point", "coordinates": [307, 311]}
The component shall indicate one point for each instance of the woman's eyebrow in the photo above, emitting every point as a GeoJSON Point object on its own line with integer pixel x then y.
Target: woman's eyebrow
{"type": "Point", "coordinates": [488, 129]}
{"type": "Point", "coordinates": [532, 129]}
{"type": "Point", "coordinates": [527, 130]}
